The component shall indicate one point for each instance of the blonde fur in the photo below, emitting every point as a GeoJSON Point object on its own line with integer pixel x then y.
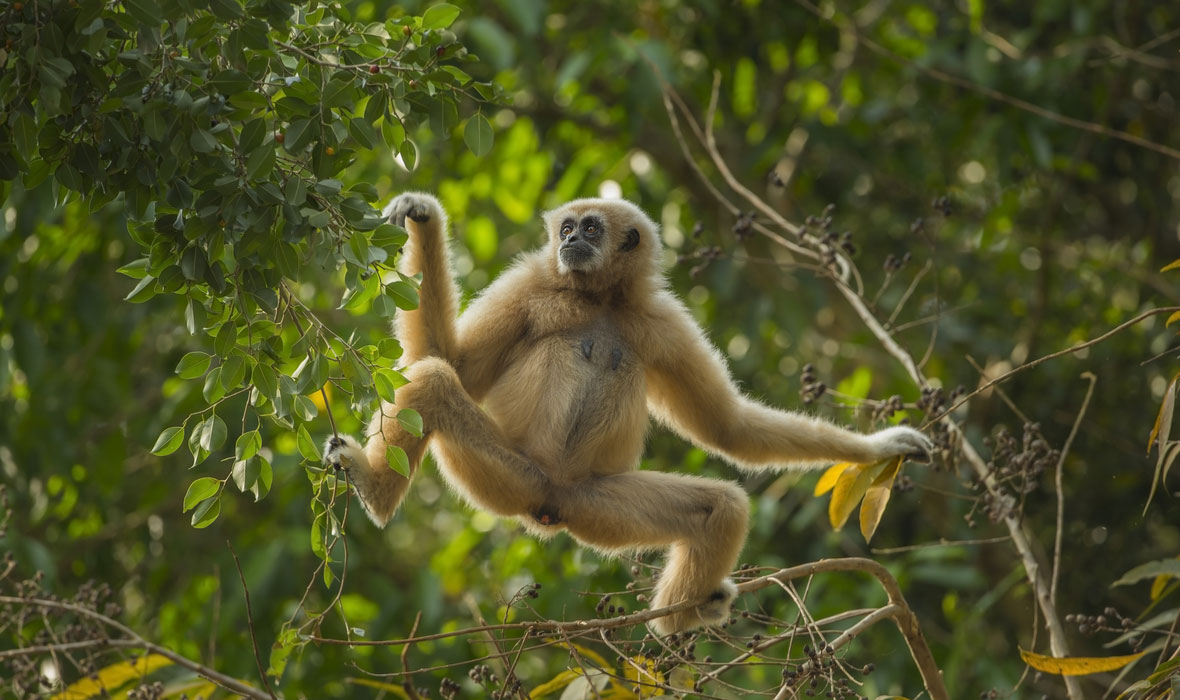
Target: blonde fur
{"type": "Point", "coordinates": [536, 401]}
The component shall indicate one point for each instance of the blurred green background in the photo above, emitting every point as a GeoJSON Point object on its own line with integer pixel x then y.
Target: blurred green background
{"type": "Point", "coordinates": [1050, 235]}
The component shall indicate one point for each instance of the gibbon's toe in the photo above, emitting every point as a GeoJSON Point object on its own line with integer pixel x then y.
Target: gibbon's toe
{"type": "Point", "coordinates": [341, 451]}
{"type": "Point", "coordinates": [410, 205]}
{"type": "Point", "coordinates": [715, 610]}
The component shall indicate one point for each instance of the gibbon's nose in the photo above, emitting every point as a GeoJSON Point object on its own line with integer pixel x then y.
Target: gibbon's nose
{"type": "Point", "coordinates": [571, 238]}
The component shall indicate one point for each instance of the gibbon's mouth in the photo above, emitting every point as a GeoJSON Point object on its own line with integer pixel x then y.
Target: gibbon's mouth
{"type": "Point", "coordinates": [576, 256]}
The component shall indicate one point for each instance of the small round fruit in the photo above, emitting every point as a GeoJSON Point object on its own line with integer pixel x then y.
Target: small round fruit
{"type": "Point", "coordinates": [406, 31]}
{"type": "Point", "coordinates": [440, 51]}
{"type": "Point", "coordinates": [280, 137]}
{"type": "Point", "coordinates": [330, 151]}
{"type": "Point", "coordinates": [374, 69]}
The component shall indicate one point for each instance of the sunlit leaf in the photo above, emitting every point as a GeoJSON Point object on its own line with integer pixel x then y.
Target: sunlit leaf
{"type": "Point", "coordinates": [829, 478]}
{"type": "Point", "coordinates": [877, 497]}
{"type": "Point", "coordinates": [1077, 665]}
{"type": "Point", "coordinates": [398, 461]}
{"type": "Point", "coordinates": [199, 490]}
{"type": "Point", "coordinates": [849, 489]}
{"type": "Point", "coordinates": [108, 679]}
{"type": "Point", "coordinates": [439, 16]}
{"type": "Point", "coordinates": [169, 441]}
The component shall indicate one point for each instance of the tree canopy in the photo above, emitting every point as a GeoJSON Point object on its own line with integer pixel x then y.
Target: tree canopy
{"type": "Point", "coordinates": [962, 216]}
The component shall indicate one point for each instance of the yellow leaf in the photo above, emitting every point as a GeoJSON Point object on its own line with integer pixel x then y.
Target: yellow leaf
{"type": "Point", "coordinates": [828, 480]}
{"type": "Point", "coordinates": [641, 671]}
{"type": "Point", "coordinates": [1159, 583]}
{"type": "Point", "coordinates": [110, 678]}
{"type": "Point", "coordinates": [1166, 408]}
{"type": "Point", "coordinates": [396, 689]}
{"type": "Point", "coordinates": [1171, 266]}
{"type": "Point", "coordinates": [1172, 319]}
{"type": "Point", "coordinates": [877, 497]}
{"type": "Point", "coordinates": [592, 655]}
{"type": "Point", "coordinates": [849, 489]}
{"type": "Point", "coordinates": [317, 396]}
{"type": "Point", "coordinates": [555, 683]}
{"type": "Point", "coordinates": [1077, 665]}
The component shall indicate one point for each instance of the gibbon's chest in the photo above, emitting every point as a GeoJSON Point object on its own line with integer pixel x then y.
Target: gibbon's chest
{"type": "Point", "coordinates": [575, 398]}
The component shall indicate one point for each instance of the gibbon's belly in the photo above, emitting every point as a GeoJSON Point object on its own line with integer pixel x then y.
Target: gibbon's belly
{"type": "Point", "coordinates": [575, 403]}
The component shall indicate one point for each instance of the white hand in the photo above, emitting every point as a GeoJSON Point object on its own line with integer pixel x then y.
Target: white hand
{"type": "Point", "coordinates": [901, 440]}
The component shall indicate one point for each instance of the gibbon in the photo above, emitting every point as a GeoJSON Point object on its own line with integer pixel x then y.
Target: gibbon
{"type": "Point", "coordinates": [535, 402]}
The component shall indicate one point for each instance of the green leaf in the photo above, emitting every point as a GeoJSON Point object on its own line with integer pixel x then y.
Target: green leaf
{"type": "Point", "coordinates": [199, 490]}
{"type": "Point", "coordinates": [169, 441]}
{"type": "Point", "coordinates": [245, 473]}
{"type": "Point", "coordinates": [146, 289]}
{"type": "Point", "coordinates": [206, 513]}
{"type": "Point", "coordinates": [398, 461]}
{"type": "Point", "coordinates": [144, 11]}
{"type": "Point", "coordinates": [404, 295]}
{"type": "Point", "coordinates": [136, 269]}
{"type": "Point", "coordinates": [261, 486]}
{"type": "Point", "coordinates": [478, 134]}
{"type": "Point", "coordinates": [248, 445]}
{"type": "Point", "coordinates": [211, 433]}
{"type": "Point", "coordinates": [389, 237]}
{"type": "Point", "coordinates": [386, 382]}
{"type": "Point", "coordinates": [439, 16]}
{"type": "Point", "coordinates": [1161, 567]}
{"type": "Point", "coordinates": [261, 162]}
{"type": "Point", "coordinates": [265, 379]}
{"type": "Point", "coordinates": [307, 446]}
{"type": "Point", "coordinates": [233, 371]}
{"type": "Point", "coordinates": [193, 365]}
{"type": "Point", "coordinates": [411, 421]}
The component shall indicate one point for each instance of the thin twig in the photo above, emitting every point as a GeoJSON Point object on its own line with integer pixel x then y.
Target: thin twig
{"type": "Point", "coordinates": [940, 543]}
{"type": "Point", "coordinates": [1045, 358]}
{"type": "Point", "coordinates": [250, 622]}
{"type": "Point", "coordinates": [408, 682]}
{"type": "Point", "coordinates": [1061, 489]}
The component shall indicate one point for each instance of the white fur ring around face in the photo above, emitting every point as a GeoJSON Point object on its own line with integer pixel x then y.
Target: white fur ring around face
{"type": "Point", "coordinates": [901, 440]}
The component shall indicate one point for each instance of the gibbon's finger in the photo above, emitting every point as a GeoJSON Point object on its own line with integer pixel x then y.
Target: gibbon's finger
{"type": "Point", "coordinates": [919, 457]}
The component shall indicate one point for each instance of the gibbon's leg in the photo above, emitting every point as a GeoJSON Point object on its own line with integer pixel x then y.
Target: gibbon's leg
{"type": "Point", "coordinates": [703, 522]}
{"type": "Point", "coordinates": [429, 329]}
{"type": "Point", "coordinates": [476, 458]}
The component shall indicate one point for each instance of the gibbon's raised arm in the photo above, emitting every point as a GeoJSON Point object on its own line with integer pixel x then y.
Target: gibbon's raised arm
{"type": "Point", "coordinates": [429, 329]}
{"type": "Point", "coordinates": [490, 328]}
{"type": "Point", "coordinates": [689, 389]}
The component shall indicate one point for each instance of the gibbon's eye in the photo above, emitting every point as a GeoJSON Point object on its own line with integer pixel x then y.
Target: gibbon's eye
{"type": "Point", "coordinates": [591, 228]}
{"type": "Point", "coordinates": [565, 230]}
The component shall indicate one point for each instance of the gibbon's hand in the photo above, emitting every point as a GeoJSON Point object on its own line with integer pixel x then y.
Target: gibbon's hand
{"type": "Point", "coordinates": [901, 440]}
{"type": "Point", "coordinates": [344, 452]}
{"type": "Point", "coordinates": [418, 206]}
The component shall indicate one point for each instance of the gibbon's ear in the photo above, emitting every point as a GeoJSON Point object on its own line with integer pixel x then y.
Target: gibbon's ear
{"type": "Point", "coordinates": [632, 241]}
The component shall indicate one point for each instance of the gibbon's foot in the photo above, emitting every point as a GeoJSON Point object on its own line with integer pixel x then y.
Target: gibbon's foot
{"type": "Point", "coordinates": [901, 440]}
{"type": "Point", "coordinates": [714, 610]}
{"type": "Point", "coordinates": [415, 205]}
{"type": "Point", "coordinates": [343, 452]}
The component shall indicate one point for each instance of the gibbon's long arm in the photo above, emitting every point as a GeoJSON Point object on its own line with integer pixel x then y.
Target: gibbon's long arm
{"type": "Point", "coordinates": [489, 329]}
{"type": "Point", "coordinates": [690, 389]}
{"type": "Point", "coordinates": [429, 329]}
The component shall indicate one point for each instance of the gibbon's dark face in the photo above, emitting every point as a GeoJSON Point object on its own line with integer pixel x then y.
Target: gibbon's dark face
{"type": "Point", "coordinates": [601, 241]}
{"type": "Point", "coordinates": [581, 242]}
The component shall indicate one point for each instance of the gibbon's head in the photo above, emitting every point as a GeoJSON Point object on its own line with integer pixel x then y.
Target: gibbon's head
{"type": "Point", "coordinates": [600, 242]}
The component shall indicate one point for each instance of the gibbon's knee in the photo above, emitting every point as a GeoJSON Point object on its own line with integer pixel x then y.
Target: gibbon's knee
{"type": "Point", "coordinates": [434, 385]}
